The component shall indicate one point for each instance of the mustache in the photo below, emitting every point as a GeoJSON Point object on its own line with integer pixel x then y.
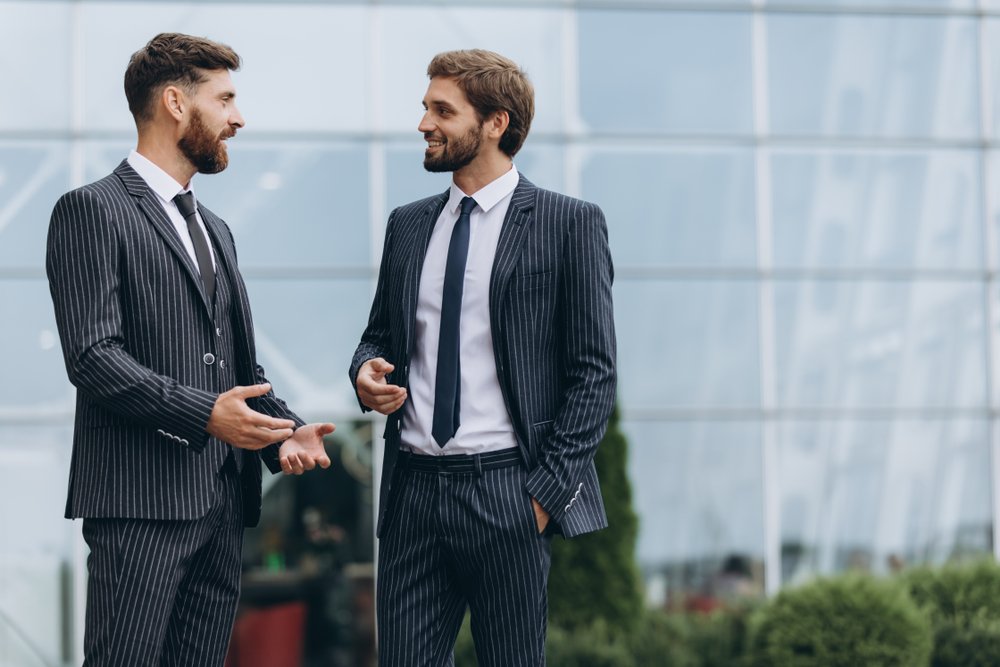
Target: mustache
{"type": "Point", "coordinates": [228, 134]}
{"type": "Point", "coordinates": [429, 137]}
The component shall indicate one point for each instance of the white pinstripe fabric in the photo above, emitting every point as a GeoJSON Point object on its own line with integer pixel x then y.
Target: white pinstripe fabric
{"type": "Point", "coordinates": [457, 541]}
{"type": "Point", "coordinates": [553, 333]}
{"type": "Point", "coordinates": [140, 343]}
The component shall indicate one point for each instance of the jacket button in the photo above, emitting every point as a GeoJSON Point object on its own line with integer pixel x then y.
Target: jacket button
{"type": "Point", "coordinates": [209, 358]}
{"type": "Point", "coordinates": [218, 331]}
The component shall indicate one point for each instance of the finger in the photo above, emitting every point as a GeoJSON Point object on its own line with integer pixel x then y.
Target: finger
{"type": "Point", "coordinates": [286, 466]}
{"type": "Point", "coordinates": [323, 461]}
{"type": "Point", "coordinates": [325, 429]}
{"type": "Point", "coordinates": [379, 388]}
{"type": "Point", "coordinates": [296, 461]}
{"type": "Point", "coordinates": [306, 462]}
{"type": "Point", "coordinates": [260, 420]}
{"type": "Point", "coordinates": [251, 390]}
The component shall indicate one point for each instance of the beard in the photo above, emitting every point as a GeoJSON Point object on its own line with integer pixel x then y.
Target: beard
{"type": "Point", "coordinates": [207, 152]}
{"type": "Point", "coordinates": [456, 153]}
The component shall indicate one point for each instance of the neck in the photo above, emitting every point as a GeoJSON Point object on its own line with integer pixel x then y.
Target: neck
{"type": "Point", "coordinates": [486, 168]}
{"type": "Point", "coordinates": [163, 152]}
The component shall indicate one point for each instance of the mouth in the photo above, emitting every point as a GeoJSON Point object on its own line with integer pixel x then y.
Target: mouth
{"type": "Point", "coordinates": [433, 142]}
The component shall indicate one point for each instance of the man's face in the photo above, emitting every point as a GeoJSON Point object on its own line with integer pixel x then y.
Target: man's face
{"type": "Point", "coordinates": [451, 127]}
{"type": "Point", "coordinates": [214, 118]}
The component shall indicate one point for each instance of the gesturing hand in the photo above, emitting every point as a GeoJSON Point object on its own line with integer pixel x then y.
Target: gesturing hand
{"type": "Point", "coordinates": [304, 450]}
{"type": "Point", "coordinates": [234, 422]}
{"type": "Point", "coordinates": [373, 389]}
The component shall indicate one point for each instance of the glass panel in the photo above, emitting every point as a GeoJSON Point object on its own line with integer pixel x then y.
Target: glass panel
{"type": "Point", "coordinates": [698, 491]}
{"type": "Point", "coordinates": [888, 4]}
{"type": "Point", "coordinates": [872, 76]}
{"type": "Point", "coordinates": [533, 38]}
{"type": "Point", "coordinates": [665, 72]}
{"type": "Point", "coordinates": [32, 177]}
{"type": "Point", "coordinates": [407, 181]}
{"type": "Point", "coordinates": [31, 354]}
{"type": "Point", "coordinates": [884, 210]}
{"type": "Point", "coordinates": [306, 335]}
{"type": "Point", "coordinates": [702, 350]}
{"type": "Point", "coordinates": [35, 64]}
{"type": "Point", "coordinates": [878, 495]}
{"type": "Point", "coordinates": [880, 344]}
{"type": "Point", "coordinates": [36, 573]}
{"type": "Point", "coordinates": [679, 208]}
{"type": "Point", "coordinates": [281, 84]}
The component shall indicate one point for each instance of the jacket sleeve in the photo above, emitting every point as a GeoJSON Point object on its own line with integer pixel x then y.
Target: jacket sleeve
{"type": "Point", "coordinates": [82, 263]}
{"type": "Point", "coordinates": [376, 339]}
{"type": "Point", "coordinates": [588, 346]}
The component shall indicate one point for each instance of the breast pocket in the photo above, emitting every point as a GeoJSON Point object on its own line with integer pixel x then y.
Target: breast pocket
{"type": "Point", "coordinates": [531, 281]}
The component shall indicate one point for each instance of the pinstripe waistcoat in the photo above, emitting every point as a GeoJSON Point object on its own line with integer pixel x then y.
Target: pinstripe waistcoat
{"type": "Point", "coordinates": [553, 339]}
{"type": "Point", "coordinates": [141, 345]}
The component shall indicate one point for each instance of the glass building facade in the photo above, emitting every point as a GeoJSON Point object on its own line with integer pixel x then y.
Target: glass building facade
{"type": "Point", "coordinates": [802, 199]}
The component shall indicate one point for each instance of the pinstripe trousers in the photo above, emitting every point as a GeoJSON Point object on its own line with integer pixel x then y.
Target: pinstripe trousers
{"type": "Point", "coordinates": [164, 592]}
{"type": "Point", "coordinates": [457, 540]}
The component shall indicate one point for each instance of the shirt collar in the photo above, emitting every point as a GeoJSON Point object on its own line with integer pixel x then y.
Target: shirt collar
{"type": "Point", "coordinates": [159, 181]}
{"type": "Point", "coordinates": [488, 196]}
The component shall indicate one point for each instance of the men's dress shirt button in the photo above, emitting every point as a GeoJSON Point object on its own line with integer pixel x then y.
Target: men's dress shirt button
{"type": "Point", "coordinates": [222, 363]}
{"type": "Point", "coordinates": [209, 358]}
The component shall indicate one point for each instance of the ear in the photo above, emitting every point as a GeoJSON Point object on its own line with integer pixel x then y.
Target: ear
{"type": "Point", "coordinates": [496, 124]}
{"type": "Point", "coordinates": [174, 101]}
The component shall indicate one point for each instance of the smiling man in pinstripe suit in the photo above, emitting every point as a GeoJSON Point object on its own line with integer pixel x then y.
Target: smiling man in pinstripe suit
{"type": "Point", "coordinates": [491, 348]}
{"type": "Point", "coordinates": [173, 413]}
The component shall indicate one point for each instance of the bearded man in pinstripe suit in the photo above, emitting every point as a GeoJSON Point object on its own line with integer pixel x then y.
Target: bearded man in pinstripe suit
{"type": "Point", "coordinates": [491, 349]}
{"type": "Point", "coordinates": [173, 413]}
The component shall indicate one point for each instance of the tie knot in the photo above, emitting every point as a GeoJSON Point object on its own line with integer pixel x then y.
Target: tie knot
{"type": "Point", "coordinates": [468, 203]}
{"type": "Point", "coordinates": [185, 203]}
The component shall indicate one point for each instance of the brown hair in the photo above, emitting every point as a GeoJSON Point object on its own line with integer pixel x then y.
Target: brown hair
{"type": "Point", "coordinates": [492, 83]}
{"type": "Point", "coordinates": [171, 58]}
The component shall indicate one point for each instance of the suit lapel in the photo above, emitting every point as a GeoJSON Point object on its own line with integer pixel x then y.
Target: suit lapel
{"type": "Point", "coordinates": [411, 283]}
{"type": "Point", "coordinates": [157, 217]}
{"type": "Point", "coordinates": [512, 234]}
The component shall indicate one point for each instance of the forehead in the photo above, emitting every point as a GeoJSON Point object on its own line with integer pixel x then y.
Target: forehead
{"type": "Point", "coordinates": [216, 81]}
{"type": "Point", "coordinates": [445, 89]}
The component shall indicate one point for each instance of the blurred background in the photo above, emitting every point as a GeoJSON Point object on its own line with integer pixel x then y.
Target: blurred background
{"type": "Point", "coordinates": [802, 199]}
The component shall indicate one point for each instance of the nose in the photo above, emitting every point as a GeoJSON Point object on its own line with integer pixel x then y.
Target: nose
{"type": "Point", "coordinates": [236, 119]}
{"type": "Point", "coordinates": [425, 124]}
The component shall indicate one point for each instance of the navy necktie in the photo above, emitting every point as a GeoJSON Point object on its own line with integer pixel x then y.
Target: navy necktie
{"type": "Point", "coordinates": [447, 385]}
{"type": "Point", "coordinates": [185, 204]}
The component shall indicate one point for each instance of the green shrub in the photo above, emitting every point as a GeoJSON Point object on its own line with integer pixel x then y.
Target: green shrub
{"type": "Point", "coordinates": [963, 602]}
{"type": "Point", "coordinates": [842, 622]}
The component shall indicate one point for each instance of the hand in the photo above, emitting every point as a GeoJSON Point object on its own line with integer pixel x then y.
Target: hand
{"type": "Point", "coordinates": [234, 422]}
{"type": "Point", "coordinates": [374, 391]}
{"type": "Point", "coordinates": [304, 450]}
{"type": "Point", "coordinates": [541, 516]}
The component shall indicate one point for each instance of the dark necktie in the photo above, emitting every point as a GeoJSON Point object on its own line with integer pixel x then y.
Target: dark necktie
{"type": "Point", "coordinates": [185, 204]}
{"type": "Point", "coordinates": [447, 385]}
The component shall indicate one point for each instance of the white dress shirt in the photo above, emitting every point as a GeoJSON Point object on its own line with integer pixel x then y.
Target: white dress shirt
{"type": "Point", "coordinates": [166, 188]}
{"type": "Point", "coordinates": [484, 424]}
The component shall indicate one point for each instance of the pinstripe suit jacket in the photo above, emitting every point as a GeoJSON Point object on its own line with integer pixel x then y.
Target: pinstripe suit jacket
{"type": "Point", "coordinates": [553, 338]}
{"type": "Point", "coordinates": [135, 326]}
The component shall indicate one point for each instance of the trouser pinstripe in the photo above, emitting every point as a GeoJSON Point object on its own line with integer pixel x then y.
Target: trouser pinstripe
{"type": "Point", "coordinates": [165, 592]}
{"type": "Point", "coordinates": [457, 540]}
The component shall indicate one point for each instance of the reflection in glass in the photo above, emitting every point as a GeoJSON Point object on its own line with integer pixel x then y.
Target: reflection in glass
{"type": "Point", "coordinates": [872, 76]}
{"type": "Point", "coordinates": [885, 210]}
{"type": "Point", "coordinates": [286, 81]}
{"type": "Point", "coordinates": [38, 546]}
{"type": "Point", "coordinates": [31, 357]}
{"type": "Point", "coordinates": [34, 65]}
{"type": "Point", "coordinates": [32, 177]}
{"type": "Point", "coordinates": [697, 488]}
{"type": "Point", "coordinates": [875, 496]}
{"type": "Point", "coordinates": [687, 344]}
{"type": "Point", "coordinates": [880, 344]}
{"type": "Point", "coordinates": [306, 333]}
{"type": "Point", "coordinates": [665, 72]}
{"type": "Point", "coordinates": [678, 208]}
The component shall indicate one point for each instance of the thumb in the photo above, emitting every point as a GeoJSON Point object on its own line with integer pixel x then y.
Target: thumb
{"type": "Point", "coordinates": [252, 390]}
{"type": "Point", "coordinates": [381, 366]}
{"type": "Point", "coordinates": [325, 429]}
